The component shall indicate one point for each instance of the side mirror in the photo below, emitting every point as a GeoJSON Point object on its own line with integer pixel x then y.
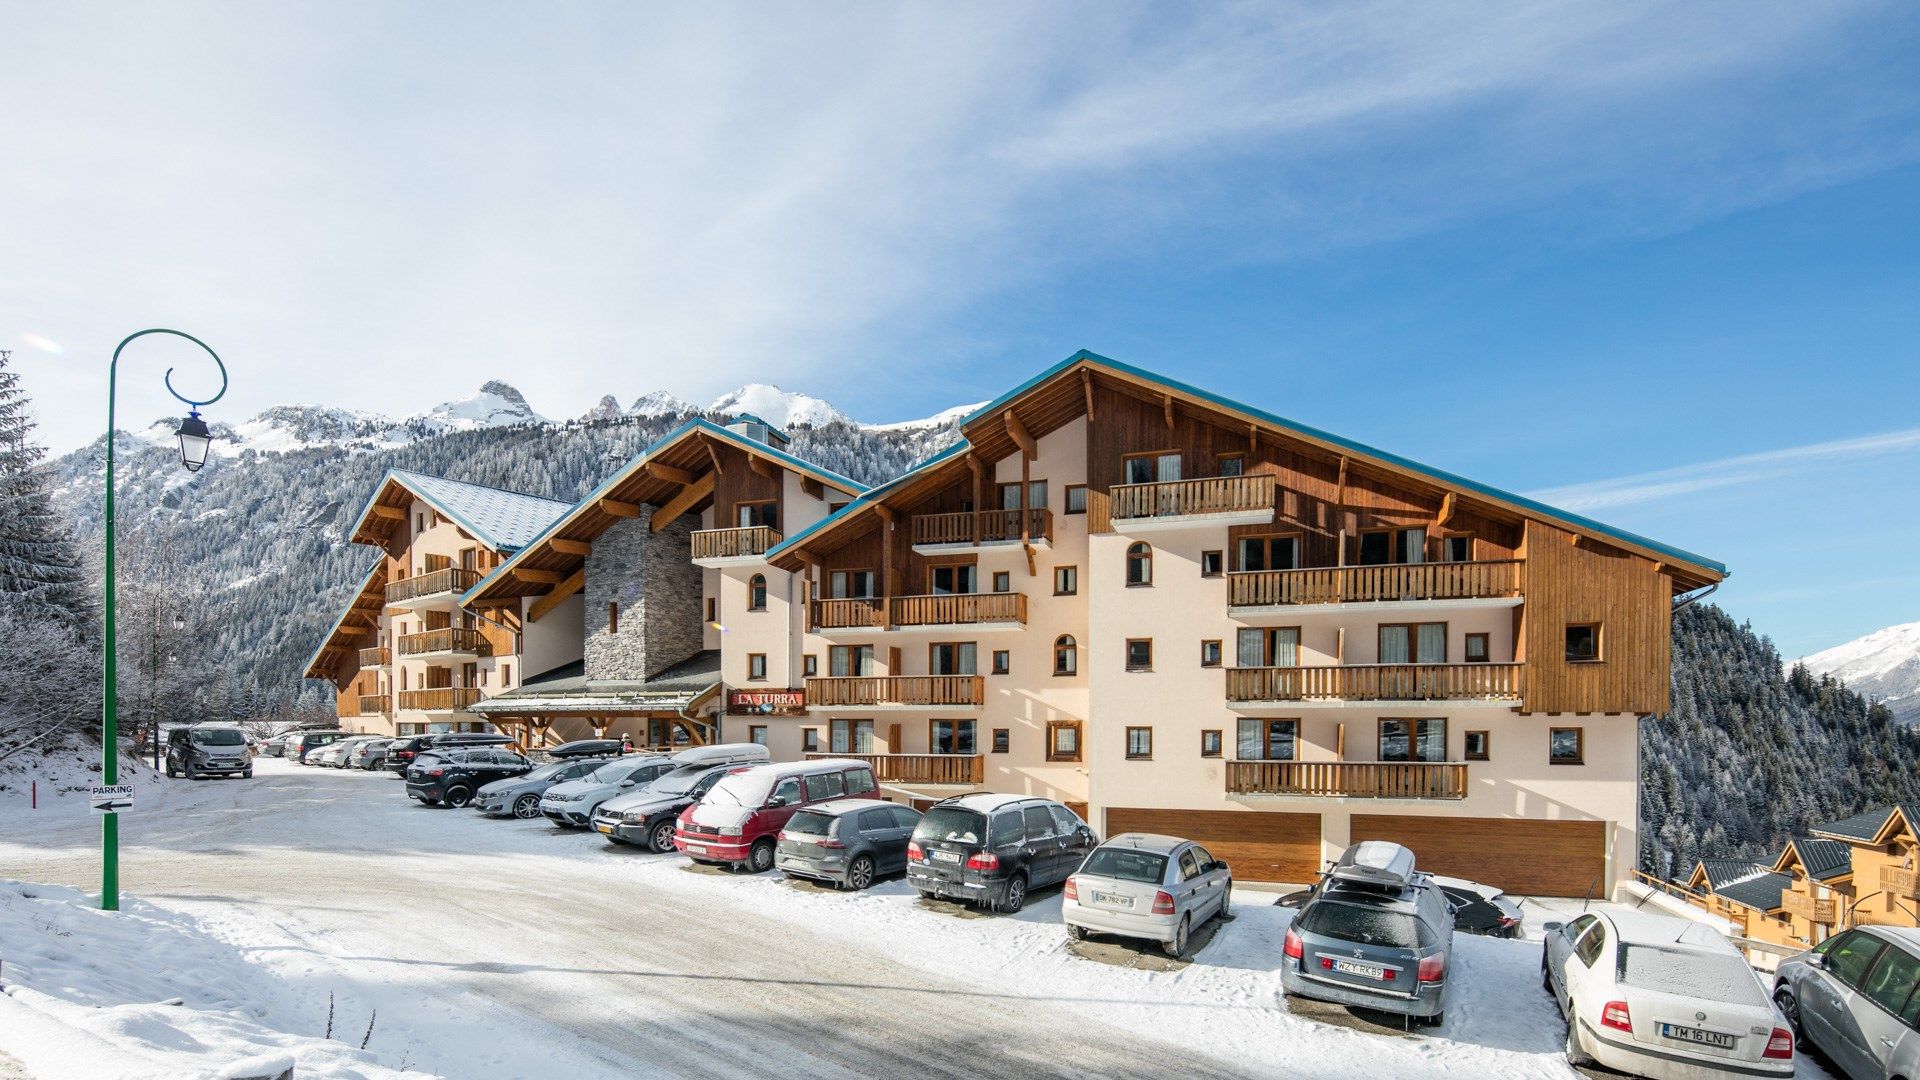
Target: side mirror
{"type": "Point", "coordinates": [1816, 960]}
{"type": "Point", "coordinates": [1555, 927]}
{"type": "Point", "coordinates": [776, 802]}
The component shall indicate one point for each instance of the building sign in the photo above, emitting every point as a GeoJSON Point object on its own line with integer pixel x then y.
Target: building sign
{"type": "Point", "coordinates": [766, 702]}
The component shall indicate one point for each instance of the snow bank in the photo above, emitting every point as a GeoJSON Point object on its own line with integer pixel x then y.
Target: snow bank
{"type": "Point", "coordinates": [59, 777]}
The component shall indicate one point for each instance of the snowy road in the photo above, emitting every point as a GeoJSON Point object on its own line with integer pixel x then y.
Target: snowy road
{"type": "Point", "coordinates": [505, 949]}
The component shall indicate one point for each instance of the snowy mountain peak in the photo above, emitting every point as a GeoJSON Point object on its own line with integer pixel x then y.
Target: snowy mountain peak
{"type": "Point", "coordinates": [1884, 665]}
{"type": "Point", "coordinates": [608, 408]}
{"type": "Point", "coordinates": [660, 403]}
{"type": "Point", "coordinates": [496, 404]}
{"type": "Point", "coordinates": [778, 407]}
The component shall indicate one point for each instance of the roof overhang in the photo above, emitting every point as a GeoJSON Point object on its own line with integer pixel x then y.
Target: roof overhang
{"type": "Point", "coordinates": [366, 603]}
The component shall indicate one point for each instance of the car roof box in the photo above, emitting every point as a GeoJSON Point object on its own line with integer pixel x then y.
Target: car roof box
{"type": "Point", "coordinates": [722, 754]}
{"type": "Point", "coordinates": [1377, 863]}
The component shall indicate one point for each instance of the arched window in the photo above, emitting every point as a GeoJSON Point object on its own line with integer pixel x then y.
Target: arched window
{"type": "Point", "coordinates": [1066, 655]}
{"type": "Point", "coordinates": [1139, 564]}
{"type": "Point", "coordinates": [757, 593]}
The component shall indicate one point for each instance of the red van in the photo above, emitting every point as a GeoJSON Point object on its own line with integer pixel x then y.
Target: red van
{"type": "Point", "coordinates": [739, 820]}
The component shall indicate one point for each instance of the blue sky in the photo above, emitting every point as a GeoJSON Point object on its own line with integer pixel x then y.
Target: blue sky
{"type": "Point", "coordinates": [1656, 261]}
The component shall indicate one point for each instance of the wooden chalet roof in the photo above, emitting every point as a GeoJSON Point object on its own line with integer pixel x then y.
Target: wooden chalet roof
{"type": "Point", "coordinates": [361, 613]}
{"type": "Point", "coordinates": [1823, 860]}
{"type": "Point", "coordinates": [1875, 826]}
{"type": "Point", "coordinates": [502, 520]}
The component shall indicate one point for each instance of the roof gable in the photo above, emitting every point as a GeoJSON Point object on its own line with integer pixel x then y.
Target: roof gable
{"type": "Point", "coordinates": [502, 520]}
{"type": "Point", "coordinates": [374, 584]}
{"type": "Point", "coordinates": [1864, 827]}
{"type": "Point", "coordinates": [1821, 859]}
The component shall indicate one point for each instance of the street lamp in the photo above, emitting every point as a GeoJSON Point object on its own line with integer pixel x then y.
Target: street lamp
{"type": "Point", "coordinates": [194, 442]}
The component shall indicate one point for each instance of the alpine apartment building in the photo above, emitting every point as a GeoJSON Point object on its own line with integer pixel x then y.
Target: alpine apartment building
{"type": "Point", "coordinates": [1173, 611]}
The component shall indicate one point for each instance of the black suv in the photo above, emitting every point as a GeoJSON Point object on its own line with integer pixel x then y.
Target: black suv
{"type": "Point", "coordinates": [401, 751]}
{"type": "Point", "coordinates": [991, 849]}
{"type": "Point", "coordinates": [451, 778]}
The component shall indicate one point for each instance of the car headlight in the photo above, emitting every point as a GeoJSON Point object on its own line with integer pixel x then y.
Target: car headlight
{"type": "Point", "coordinates": [728, 830]}
{"type": "Point", "coordinates": [633, 819]}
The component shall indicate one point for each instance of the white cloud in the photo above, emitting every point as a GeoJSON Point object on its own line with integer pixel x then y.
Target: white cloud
{"type": "Point", "coordinates": [1729, 472]}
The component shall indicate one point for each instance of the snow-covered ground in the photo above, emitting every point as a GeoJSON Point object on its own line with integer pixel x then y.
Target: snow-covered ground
{"type": "Point", "coordinates": [507, 948]}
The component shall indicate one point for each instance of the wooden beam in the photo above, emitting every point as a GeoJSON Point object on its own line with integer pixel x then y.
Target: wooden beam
{"type": "Point", "coordinates": [764, 467]}
{"type": "Point", "coordinates": [1018, 433]}
{"type": "Point", "coordinates": [812, 488]}
{"type": "Point", "coordinates": [1253, 440]}
{"type": "Point", "coordinates": [1033, 569]}
{"type": "Point", "coordinates": [688, 498]}
{"type": "Point", "coordinates": [570, 547]}
{"type": "Point", "coordinates": [1446, 509]}
{"type": "Point", "coordinates": [539, 577]}
{"type": "Point", "coordinates": [560, 592]}
{"type": "Point", "coordinates": [616, 508]}
{"type": "Point", "coordinates": [887, 513]}
{"type": "Point", "coordinates": [670, 474]}
{"type": "Point", "coordinates": [1166, 405]}
{"type": "Point", "coordinates": [713, 455]}
{"type": "Point", "coordinates": [1086, 388]}
{"type": "Point", "coordinates": [390, 513]}
{"type": "Point", "coordinates": [1340, 510]}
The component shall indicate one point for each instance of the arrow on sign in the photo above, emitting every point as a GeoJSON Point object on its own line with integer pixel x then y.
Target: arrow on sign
{"type": "Point", "coordinates": [110, 806]}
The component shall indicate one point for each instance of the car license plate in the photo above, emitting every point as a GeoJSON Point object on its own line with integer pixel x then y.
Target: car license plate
{"type": "Point", "coordinates": [946, 856]}
{"type": "Point", "coordinates": [1354, 967]}
{"type": "Point", "coordinates": [701, 848]}
{"type": "Point", "coordinates": [1717, 1039]}
{"type": "Point", "coordinates": [1107, 899]}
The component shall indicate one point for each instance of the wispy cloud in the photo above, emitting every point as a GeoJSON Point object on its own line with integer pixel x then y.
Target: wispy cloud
{"type": "Point", "coordinates": [1728, 472]}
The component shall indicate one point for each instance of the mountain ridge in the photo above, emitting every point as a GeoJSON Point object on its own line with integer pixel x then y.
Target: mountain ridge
{"type": "Point", "coordinates": [1883, 666]}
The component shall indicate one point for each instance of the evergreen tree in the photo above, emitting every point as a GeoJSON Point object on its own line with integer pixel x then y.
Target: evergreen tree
{"type": "Point", "coordinates": [41, 575]}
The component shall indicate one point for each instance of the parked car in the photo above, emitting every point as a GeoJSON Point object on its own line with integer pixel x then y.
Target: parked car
{"type": "Point", "coordinates": [1663, 997]}
{"type": "Point", "coordinates": [204, 749]}
{"type": "Point", "coordinates": [848, 842]}
{"type": "Point", "coordinates": [335, 755]}
{"type": "Point", "coordinates": [1148, 886]}
{"type": "Point", "coordinates": [1377, 934]}
{"type": "Point", "coordinates": [992, 850]}
{"type": "Point", "coordinates": [401, 752]}
{"type": "Point", "coordinates": [276, 746]}
{"type": "Point", "coordinates": [519, 796]}
{"type": "Point", "coordinates": [570, 805]}
{"type": "Point", "coordinates": [738, 822]}
{"type": "Point", "coordinates": [650, 815]}
{"type": "Point", "coordinates": [369, 754]}
{"type": "Point", "coordinates": [1856, 996]}
{"type": "Point", "coordinates": [1480, 909]}
{"type": "Point", "coordinates": [450, 779]}
{"type": "Point", "coordinates": [302, 743]}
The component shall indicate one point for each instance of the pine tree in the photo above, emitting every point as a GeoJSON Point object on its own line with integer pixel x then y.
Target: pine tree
{"type": "Point", "coordinates": [41, 575]}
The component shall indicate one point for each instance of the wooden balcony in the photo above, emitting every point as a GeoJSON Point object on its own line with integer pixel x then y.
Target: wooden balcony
{"type": "Point", "coordinates": [379, 657]}
{"type": "Point", "coordinates": [955, 769]}
{"type": "Point", "coordinates": [449, 582]}
{"type": "Point", "coordinates": [1808, 908]}
{"type": "Point", "coordinates": [1349, 779]}
{"type": "Point", "coordinates": [979, 610]}
{"type": "Point", "coordinates": [1232, 500]}
{"type": "Point", "coordinates": [718, 546]}
{"type": "Point", "coordinates": [862, 613]}
{"type": "Point", "coordinates": [1486, 580]}
{"type": "Point", "coordinates": [374, 705]}
{"type": "Point", "coordinates": [1377, 682]}
{"type": "Point", "coordinates": [453, 639]}
{"type": "Point", "coordinates": [439, 699]}
{"type": "Point", "coordinates": [1903, 883]}
{"type": "Point", "coordinates": [896, 691]}
{"type": "Point", "coordinates": [981, 528]}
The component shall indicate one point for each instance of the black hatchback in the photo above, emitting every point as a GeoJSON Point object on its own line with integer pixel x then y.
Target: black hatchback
{"type": "Point", "coordinates": [991, 850]}
{"type": "Point", "coordinates": [451, 777]}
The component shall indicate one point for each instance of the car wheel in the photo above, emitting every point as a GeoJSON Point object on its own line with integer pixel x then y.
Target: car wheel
{"type": "Point", "coordinates": [1178, 945]}
{"type": "Point", "coordinates": [860, 874]}
{"type": "Point", "coordinates": [1576, 1055]}
{"type": "Point", "coordinates": [1226, 902]}
{"type": "Point", "coordinates": [1077, 933]}
{"type": "Point", "coordinates": [760, 856]}
{"type": "Point", "coordinates": [661, 838]}
{"type": "Point", "coordinates": [526, 807]}
{"type": "Point", "coordinates": [1013, 896]}
{"type": "Point", "coordinates": [1789, 1008]}
{"type": "Point", "coordinates": [1435, 1020]}
{"type": "Point", "coordinates": [247, 775]}
{"type": "Point", "coordinates": [458, 797]}
{"type": "Point", "coordinates": [925, 895]}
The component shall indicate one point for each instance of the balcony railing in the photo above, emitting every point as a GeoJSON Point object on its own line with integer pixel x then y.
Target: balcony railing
{"type": "Point", "coordinates": [449, 579]}
{"type": "Point", "coordinates": [739, 543]}
{"type": "Point", "coordinates": [439, 699]}
{"type": "Point", "coordinates": [374, 705]}
{"type": "Point", "coordinates": [920, 768]}
{"type": "Point", "coordinates": [1190, 498]}
{"type": "Point", "coordinates": [1900, 882]}
{"type": "Point", "coordinates": [452, 639]}
{"type": "Point", "coordinates": [377, 657]}
{"type": "Point", "coordinates": [1808, 908]}
{"type": "Point", "coordinates": [957, 608]}
{"type": "Point", "coordinates": [1376, 682]}
{"type": "Point", "coordinates": [1349, 779]}
{"type": "Point", "coordinates": [858, 613]}
{"type": "Point", "coordinates": [981, 527]}
{"type": "Point", "coordinates": [1362, 584]}
{"type": "Point", "coordinates": [864, 690]}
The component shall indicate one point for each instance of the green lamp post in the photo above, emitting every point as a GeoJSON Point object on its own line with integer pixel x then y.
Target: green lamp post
{"type": "Point", "coordinates": [195, 441]}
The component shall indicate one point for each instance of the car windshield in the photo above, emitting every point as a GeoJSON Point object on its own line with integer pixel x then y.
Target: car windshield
{"type": "Point", "coordinates": [951, 823]}
{"type": "Point", "coordinates": [749, 788]}
{"type": "Point", "coordinates": [679, 781]}
{"type": "Point", "coordinates": [811, 823]}
{"type": "Point", "coordinates": [616, 772]}
{"type": "Point", "coordinates": [219, 737]}
{"type": "Point", "coordinates": [548, 772]}
{"type": "Point", "coordinates": [1127, 865]}
{"type": "Point", "coordinates": [1365, 925]}
{"type": "Point", "coordinates": [1710, 976]}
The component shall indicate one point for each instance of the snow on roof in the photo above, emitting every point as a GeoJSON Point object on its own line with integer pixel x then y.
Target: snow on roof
{"type": "Point", "coordinates": [1155, 842]}
{"type": "Point", "coordinates": [505, 520]}
{"type": "Point", "coordinates": [836, 807]}
{"type": "Point", "coordinates": [1636, 927]}
{"type": "Point", "coordinates": [987, 801]}
{"type": "Point", "coordinates": [1760, 892]}
{"type": "Point", "coordinates": [1724, 872]}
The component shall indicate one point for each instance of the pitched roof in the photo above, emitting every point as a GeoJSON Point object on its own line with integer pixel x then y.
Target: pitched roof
{"type": "Point", "coordinates": [568, 689]}
{"type": "Point", "coordinates": [868, 498]}
{"type": "Point", "coordinates": [1760, 891]}
{"type": "Point", "coordinates": [1869, 826]}
{"type": "Point", "coordinates": [502, 520]}
{"type": "Point", "coordinates": [1823, 860]}
{"type": "Point", "coordinates": [1723, 872]}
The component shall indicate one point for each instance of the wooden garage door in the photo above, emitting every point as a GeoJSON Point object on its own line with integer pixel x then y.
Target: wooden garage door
{"type": "Point", "coordinates": [1526, 858]}
{"type": "Point", "coordinates": [1258, 845]}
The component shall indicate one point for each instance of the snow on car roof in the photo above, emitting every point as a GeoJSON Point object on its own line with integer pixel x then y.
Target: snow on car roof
{"type": "Point", "coordinates": [988, 801]}
{"type": "Point", "coordinates": [1635, 927]}
{"type": "Point", "coordinates": [1158, 843]}
{"type": "Point", "coordinates": [837, 807]}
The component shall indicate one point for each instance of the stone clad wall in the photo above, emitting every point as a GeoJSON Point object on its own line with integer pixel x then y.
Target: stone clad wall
{"type": "Point", "coordinates": [652, 577]}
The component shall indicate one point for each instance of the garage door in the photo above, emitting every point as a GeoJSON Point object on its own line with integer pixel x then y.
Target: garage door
{"type": "Point", "coordinates": [1258, 845]}
{"type": "Point", "coordinates": [1526, 858]}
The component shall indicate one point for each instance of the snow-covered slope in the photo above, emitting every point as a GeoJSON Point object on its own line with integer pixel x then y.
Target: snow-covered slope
{"type": "Point", "coordinates": [1884, 664]}
{"type": "Point", "coordinates": [284, 428]}
{"type": "Point", "coordinates": [778, 407]}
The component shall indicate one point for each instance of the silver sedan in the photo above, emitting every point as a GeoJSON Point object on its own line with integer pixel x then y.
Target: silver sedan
{"type": "Point", "coordinates": [1148, 886]}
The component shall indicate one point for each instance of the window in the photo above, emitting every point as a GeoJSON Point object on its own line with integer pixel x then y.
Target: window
{"type": "Point", "coordinates": [952, 658]}
{"type": "Point", "coordinates": [810, 740]}
{"type": "Point", "coordinates": [757, 593]}
{"type": "Point", "coordinates": [1479, 744]}
{"type": "Point", "coordinates": [955, 578]}
{"type": "Point", "coordinates": [757, 734]}
{"type": "Point", "coordinates": [1066, 580]}
{"type": "Point", "coordinates": [1152, 468]}
{"type": "Point", "coordinates": [1210, 742]}
{"type": "Point", "coordinates": [1267, 739]}
{"type": "Point", "coordinates": [1036, 495]}
{"type": "Point", "coordinates": [756, 666]}
{"type": "Point", "coordinates": [1139, 743]}
{"type": "Point", "coordinates": [1423, 739]}
{"type": "Point", "coordinates": [1002, 581]}
{"type": "Point", "coordinates": [1210, 654]}
{"type": "Point", "coordinates": [1459, 548]}
{"type": "Point", "coordinates": [1212, 563]}
{"type": "Point", "coordinates": [1379, 547]}
{"type": "Point", "coordinates": [749, 515]}
{"type": "Point", "coordinates": [613, 617]}
{"type": "Point", "coordinates": [1063, 740]}
{"type": "Point", "coordinates": [1413, 643]}
{"type": "Point", "coordinates": [1268, 552]}
{"type": "Point", "coordinates": [1066, 655]}
{"type": "Point", "coordinates": [826, 785]}
{"type": "Point", "coordinates": [1849, 956]}
{"type": "Point", "coordinates": [1477, 649]}
{"type": "Point", "coordinates": [850, 736]}
{"type": "Point", "coordinates": [951, 737]}
{"type": "Point", "coordinates": [1566, 746]}
{"type": "Point", "coordinates": [1139, 654]}
{"type": "Point", "coordinates": [1002, 661]}
{"type": "Point", "coordinates": [1076, 498]}
{"type": "Point", "coordinates": [1592, 943]}
{"type": "Point", "coordinates": [1891, 982]}
{"type": "Point", "coordinates": [859, 781]}
{"type": "Point", "coordinates": [850, 584]}
{"type": "Point", "coordinates": [1583, 643]}
{"type": "Point", "coordinates": [713, 609]}
{"type": "Point", "coordinates": [1232, 465]}
{"type": "Point", "coordinates": [850, 661]}
{"type": "Point", "coordinates": [810, 665]}
{"type": "Point", "coordinates": [506, 675]}
{"type": "Point", "coordinates": [1002, 738]}
{"type": "Point", "coordinates": [1139, 564]}
{"type": "Point", "coordinates": [1278, 646]}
